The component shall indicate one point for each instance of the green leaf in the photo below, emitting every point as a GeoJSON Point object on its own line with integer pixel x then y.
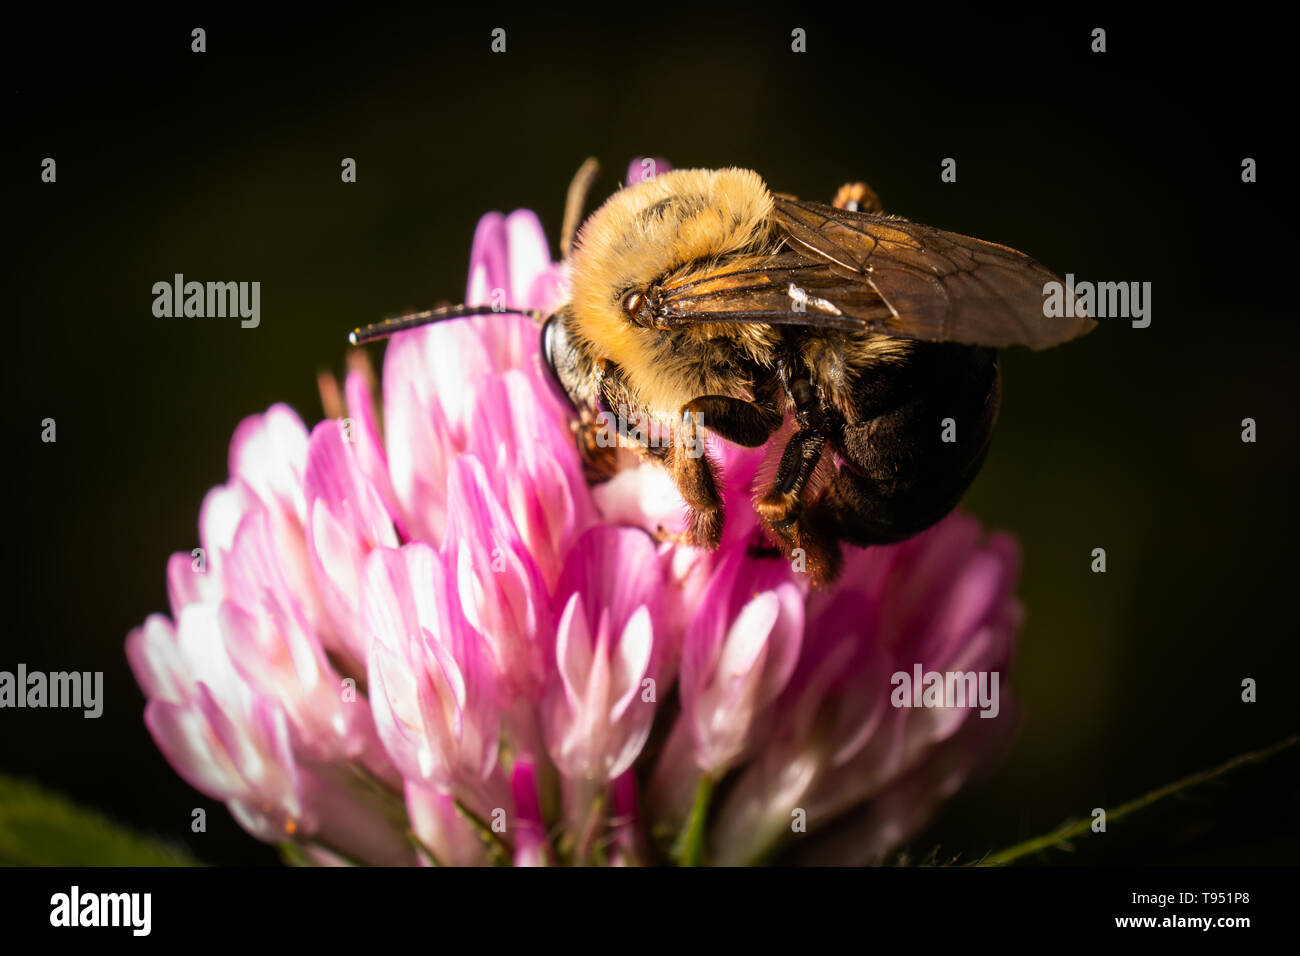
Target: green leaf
{"type": "Point", "coordinates": [41, 828]}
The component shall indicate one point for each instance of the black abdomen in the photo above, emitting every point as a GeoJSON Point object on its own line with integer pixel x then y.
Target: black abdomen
{"type": "Point", "coordinates": [920, 429]}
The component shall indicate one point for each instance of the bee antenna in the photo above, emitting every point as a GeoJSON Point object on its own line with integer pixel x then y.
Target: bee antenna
{"type": "Point", "coordinates": [575, 202]}
{"type": "Point", "coordinates": [413, 320]}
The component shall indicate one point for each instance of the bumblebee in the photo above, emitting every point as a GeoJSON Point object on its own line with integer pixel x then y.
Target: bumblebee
{"type": "Point", "coordinates": [701, 300]}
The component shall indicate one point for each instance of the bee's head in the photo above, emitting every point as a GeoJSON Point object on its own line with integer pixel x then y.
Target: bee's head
{"type": "Point", "coordinates": [641, 234]}
{"type": "Point", "coordinates": [647, 232]}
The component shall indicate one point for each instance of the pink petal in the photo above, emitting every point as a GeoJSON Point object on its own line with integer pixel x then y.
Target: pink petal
{"type": "Point", "coordinates": [156, 662]}
{"type": "Point", "coordinates": [269, 452]}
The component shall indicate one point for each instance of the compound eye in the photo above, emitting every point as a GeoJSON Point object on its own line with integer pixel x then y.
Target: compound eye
{"type": "Point", "coordinates": [633, 303]}
{"type": "Point", "coordinates": [555, 348]}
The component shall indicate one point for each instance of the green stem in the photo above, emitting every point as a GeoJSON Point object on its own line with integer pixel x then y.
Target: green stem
{"type": "Point", "coordinates": [1064, 834]}
{"type": "Point", "coordinates": [587, 843]}
{"type": "Point", "coordinates": [690, 851]}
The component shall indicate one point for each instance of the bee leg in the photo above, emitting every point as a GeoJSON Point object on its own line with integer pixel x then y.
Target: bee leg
{"type": "Point", "coordinates": [781, 510]}
{"type": "Point", "coordinates": [857, 197]}
{"type": "Point", "coordinates": [693, 474]}
{"type": "Point", "coordinates": [598, 453]}
{"type": "Point", "coordinates": [734, 419]}
{"type": "Point", "coordinates": [815, 549]}
{"type": "Point", "coordinates": [780, 506]}
{"type": "Point", "coordinates": [782, 513]}
{"type": "Point", "coordinates": [682, 454]}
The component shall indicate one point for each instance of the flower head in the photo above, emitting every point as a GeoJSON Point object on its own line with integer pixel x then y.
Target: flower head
{"type": "Point", "coordinates": [433, 641]}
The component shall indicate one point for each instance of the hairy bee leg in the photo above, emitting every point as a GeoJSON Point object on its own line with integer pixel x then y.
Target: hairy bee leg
{"type": "Point", "coordinates": [738, 421]}
{"type": "Point", "coordinates": [599, 458]}
{"type": "Point", "coordinates": [781, 505]}
{"type": "Point", "coordinates": [781, 510]}
{"type": "Point", "coordinates": [682, 454]}
{"type": "Point", "coordinates": [802, 535]}
{"type": "Point", "coordinates": [693, 474]}
{"type": "Point", "coordinates": [814, 548]}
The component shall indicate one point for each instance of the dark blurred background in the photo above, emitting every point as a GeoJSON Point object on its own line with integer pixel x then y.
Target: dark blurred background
{"type": "Point", "coordinates": [1120, 166]}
